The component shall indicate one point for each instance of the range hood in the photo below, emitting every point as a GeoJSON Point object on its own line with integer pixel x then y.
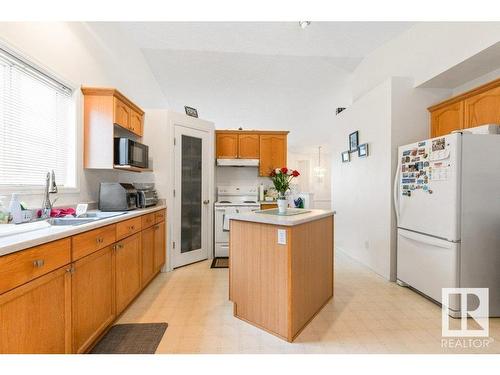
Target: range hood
{"type": "Point", "coordinates": [238, 162]}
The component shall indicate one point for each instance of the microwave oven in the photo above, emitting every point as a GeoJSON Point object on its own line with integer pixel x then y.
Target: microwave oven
{"type": "Point", "coordinates": [129, 152]}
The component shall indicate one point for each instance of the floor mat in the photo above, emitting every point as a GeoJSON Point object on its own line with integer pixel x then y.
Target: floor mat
{"type": "Point", "coordinates": [140, 338]}
{"type": "Point", "coordinates": [220, 262]}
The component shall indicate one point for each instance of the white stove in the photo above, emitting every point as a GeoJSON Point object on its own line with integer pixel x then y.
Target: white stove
{"type": "Point", "coordinates": [232, 195]}
{"type": "Point", "coordinates": [231, 199]}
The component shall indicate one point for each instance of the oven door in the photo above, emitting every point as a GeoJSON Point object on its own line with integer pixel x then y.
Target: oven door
{"type": "Point", "coordinates": [138, 154]}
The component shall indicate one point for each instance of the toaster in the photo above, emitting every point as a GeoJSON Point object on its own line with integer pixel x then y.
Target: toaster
{"type": "Point", "coordinates": [146, 195]}
{"type": "Point", "coordinates": [115, 196]}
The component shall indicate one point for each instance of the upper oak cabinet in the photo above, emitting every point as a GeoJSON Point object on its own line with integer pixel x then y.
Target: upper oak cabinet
{"type": "Point", "coordinates": [473, 108]}
{"type": "Point", "coordinates": [270, 147]}
{"type": "Point", "coordinates": [446, 119]}
{"type": "Point", "coordinates": [248, 146]}
{"type": "Point", "coordinates": [273, 152]}
{"type": "Point", "coordinates": [226, 145]}
{"type": "Point", "coordinates": [108, 113]}
{"type": "Point", "coordinates": [483, 108]}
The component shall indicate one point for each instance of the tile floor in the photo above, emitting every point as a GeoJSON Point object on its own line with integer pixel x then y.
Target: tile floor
{"type": "Point", "coordinates": [367, 315]}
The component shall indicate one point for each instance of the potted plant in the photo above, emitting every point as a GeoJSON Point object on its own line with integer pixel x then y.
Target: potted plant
{"type": "Point", "coordinates": [281, 178]}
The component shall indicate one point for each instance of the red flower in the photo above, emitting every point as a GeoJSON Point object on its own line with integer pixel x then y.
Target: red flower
{"type": "Point", "coordinates": [273, 173]}
{"type": "Point", "coordinates": [284, 170]}
{"type": "Point", "coordinates": [295, 173]}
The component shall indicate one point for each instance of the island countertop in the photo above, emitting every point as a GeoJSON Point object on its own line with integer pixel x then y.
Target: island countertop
{"type": "Point", "coordinates": [266, 218]}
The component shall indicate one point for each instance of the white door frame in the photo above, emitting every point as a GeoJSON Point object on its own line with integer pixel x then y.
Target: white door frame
{"type": "Point", "coordinates": [180, 120]}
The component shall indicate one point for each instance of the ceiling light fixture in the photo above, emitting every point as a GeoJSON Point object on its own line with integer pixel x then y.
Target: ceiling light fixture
{"type": "Point", "coordinates": [319, 171]}
{"type": "Point", "coordinates": [304, 24]}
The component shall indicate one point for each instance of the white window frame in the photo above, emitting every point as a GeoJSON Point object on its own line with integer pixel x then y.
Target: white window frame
{"type": "Point", "coordinates": [77, 117]}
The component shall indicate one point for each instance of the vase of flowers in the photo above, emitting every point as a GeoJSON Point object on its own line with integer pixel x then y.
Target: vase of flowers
{"type": "Point", "coordinates": [281, 178]}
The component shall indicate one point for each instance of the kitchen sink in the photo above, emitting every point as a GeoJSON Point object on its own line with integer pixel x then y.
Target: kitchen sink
{"type": "Point", "coordinates": [102, 214]}
{"type": "Point", "coordinates": [71, 220]}
{"type": "Point", "coordinates": [88, 217]}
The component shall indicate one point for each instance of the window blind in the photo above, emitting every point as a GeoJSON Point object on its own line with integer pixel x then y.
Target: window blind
{"type": "Point", "coordinates": [36, 127]}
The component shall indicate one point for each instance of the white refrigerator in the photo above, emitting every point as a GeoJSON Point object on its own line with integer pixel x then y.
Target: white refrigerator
{"type": "Point", "coordinates": [447, 203]}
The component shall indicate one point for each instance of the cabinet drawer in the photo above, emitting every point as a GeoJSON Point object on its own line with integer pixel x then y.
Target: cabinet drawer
{"type": "Point", "coordinates": [148, 220]}
{"type": "Point", "coordinates": [23, 266]}
{"type": "Point", "coordinates": [128, 227]}
{"type": "Point", "coordinates": [88, 242]}
{"type": "Point", "coordinates": [160, 216]}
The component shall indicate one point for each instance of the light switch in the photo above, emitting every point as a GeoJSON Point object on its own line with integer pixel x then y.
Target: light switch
{"type": "Point", "coordinates": [281, 236]}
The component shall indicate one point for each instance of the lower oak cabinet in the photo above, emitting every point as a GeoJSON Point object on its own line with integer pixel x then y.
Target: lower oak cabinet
{"type": "Point", "coordinates": [159, 245]}
{"type": "Point", "coordinates": [36, 317]}
{"type": "Point", "coordinates": [92, 297]}
{"type": "Point", "coordinates": [128, 270]}
{"type": "Point", "coordinates": [148, 254]}
{"type": "Point", "coordinates": [60, 297]}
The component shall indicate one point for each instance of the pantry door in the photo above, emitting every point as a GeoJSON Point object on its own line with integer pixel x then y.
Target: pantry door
{"type": "Point", "coordinates": [191, 196]}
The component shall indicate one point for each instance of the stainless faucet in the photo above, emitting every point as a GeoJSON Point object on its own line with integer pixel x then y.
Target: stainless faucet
{"type": "Point", "coordinates": [50, 188]}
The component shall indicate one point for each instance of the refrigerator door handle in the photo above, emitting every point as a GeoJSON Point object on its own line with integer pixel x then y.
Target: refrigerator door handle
{"type": "Point", "coordinates": [427, 240]}
{"type": "Point", "coordinates": [396, 190]}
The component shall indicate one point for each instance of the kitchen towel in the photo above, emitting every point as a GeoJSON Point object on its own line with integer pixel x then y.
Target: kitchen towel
{"type": "Point", "coordinates": [228, 211]}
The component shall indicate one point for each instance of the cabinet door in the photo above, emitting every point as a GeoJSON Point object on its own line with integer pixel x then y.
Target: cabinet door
{"type": "Point", "coordinates": [273, 153]}
{"type": "Point", "coordinates": [148, 254]}
{"type": "Point", "coordinates": [92, 297]}
{"type": "Point", "coordinates": [136, 122]}
{"type": "Point", "coordinates": [226, 146]}
{"type": "Point", "coordinates": [36, 317]}
{"type": "Point", "coordinates": [160, 241]}
{"type": "Point", "coordinates": [248, 146]}
{"type": "Point", "coordinates": [121, 114]}
{"type": "Point", "coordinates": [445, 120]}
{"type": "Point", "coordinates": [483, 108]}
{"type": "Point", "coordinates": [127, 270]}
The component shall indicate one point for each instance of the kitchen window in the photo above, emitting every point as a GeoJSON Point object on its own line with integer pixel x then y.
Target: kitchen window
{"type": "Point", "coordinates": [37, 125]}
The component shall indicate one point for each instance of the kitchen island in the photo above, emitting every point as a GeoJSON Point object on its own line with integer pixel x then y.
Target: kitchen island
{"type": "Point", "coordinates": [280, 268]}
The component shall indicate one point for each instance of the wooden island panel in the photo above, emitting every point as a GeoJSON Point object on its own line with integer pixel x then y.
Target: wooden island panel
{"type": "Point", "coordinates": [311, 270]}
{"type": "Point", "coordinates": [280, 288]}
{"type": "Point", "coordinates": [258, 274]}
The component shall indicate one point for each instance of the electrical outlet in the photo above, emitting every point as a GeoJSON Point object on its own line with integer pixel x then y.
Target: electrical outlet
{"type": "Point", "coordinates": [281, 236]}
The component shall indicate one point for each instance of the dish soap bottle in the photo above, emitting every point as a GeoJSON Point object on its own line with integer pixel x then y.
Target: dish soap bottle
{"type": "Point", "coordinates": [15, 209]}
{"type": "Point", "coordinates": [261, 192]}
{"type": "Point", "coordinates": [4, 213]}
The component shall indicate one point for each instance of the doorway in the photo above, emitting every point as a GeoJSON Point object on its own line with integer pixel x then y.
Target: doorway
{"type": "Point", "coordinates": [191, 228]}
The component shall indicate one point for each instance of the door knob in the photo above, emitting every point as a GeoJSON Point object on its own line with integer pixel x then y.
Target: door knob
{"type": "Point", "coordinates": [206, 201]}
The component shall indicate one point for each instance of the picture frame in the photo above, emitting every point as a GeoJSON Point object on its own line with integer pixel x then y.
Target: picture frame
{"type": "Point", "coordinates": [190, 111]}
{"type": "Point", "coordinates": [346, 157]}
{"type": "Point", "coordinates": [353, 141]}
{"type": "Point", "coordinates": [363, 150]}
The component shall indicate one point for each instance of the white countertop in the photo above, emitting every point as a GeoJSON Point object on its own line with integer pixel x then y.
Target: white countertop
{"type": "Point", "coordinates": [21, 241]}
{"type": "Point", "coordinates": [257, 217]}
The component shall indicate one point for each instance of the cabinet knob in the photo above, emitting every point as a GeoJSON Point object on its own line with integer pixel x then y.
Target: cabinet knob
{"type": "Point", "coordinates": [206, 201]}
{"type": "Point", "coordinates": [38, 263]}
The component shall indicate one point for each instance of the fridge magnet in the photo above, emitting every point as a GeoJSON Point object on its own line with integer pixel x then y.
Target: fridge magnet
{"type": "Point", "coordinates": [438, 144]}
{"type": "Point", "coordinates": [363, 150]}
{"type": "Point", "coordinates": [346, 157]}
{"type": "Point", "coordinates": [191, 111]}
{"type": "Point", "coordinates": [353, 141]}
